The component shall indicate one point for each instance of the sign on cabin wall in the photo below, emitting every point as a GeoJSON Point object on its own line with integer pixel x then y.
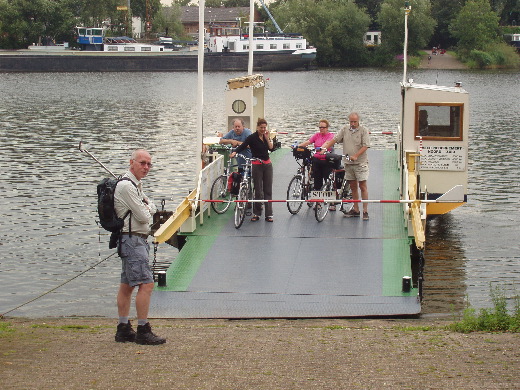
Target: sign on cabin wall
{"type": "Point", "coordinates": [443, 158]}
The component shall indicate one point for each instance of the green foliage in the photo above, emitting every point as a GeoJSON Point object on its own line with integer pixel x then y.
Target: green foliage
{"type": "Point", "coordinates": [499, 55]}
{"type": "Point", "coordinates": [480, 58]}
{"type": "Point", "coordinates": [139, 8]}
{"type": "Point", "coordinates": [335, 28]}
{"type": "Point", "coordinates": [476, 26]}
{"type": "Point", "coordinates": [5, 328]}
{"type": "Point", "coordinates": [168, 21]}
{"type": "Point", "coordinates": [509, 30]}
{"type": "Point", "coordinates": [443, 11]}
{"type": "Point", "coordinates": [420, 25]}
{"type": "Point", "coordinates": [497, 319]}
{"type": "Point", "coordinates": [24, 23]}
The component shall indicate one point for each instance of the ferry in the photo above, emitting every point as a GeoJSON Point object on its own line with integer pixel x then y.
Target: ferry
{"type": "Point", "coordinates": [342, 267]}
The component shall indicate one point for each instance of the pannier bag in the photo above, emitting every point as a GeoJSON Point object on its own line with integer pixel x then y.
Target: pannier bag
{"type": "Point", "coordinates": [333, 160]}
{"type": "Point", "coordinates": [234, 182]}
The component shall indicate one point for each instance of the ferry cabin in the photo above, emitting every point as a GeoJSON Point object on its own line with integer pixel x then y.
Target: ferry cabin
{"type": "Point", "coordinates": [434, 142]}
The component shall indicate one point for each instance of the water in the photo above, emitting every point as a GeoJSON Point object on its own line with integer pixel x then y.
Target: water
{"type": "Point", "coordinates": [48, 228]}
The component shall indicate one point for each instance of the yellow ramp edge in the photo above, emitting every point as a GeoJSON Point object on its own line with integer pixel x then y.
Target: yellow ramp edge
{"type": "Point", "coordinates": [173, 224]}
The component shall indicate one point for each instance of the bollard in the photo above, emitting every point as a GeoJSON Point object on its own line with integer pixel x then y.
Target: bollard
{"type": "Point", "coordinates": [407, 284]}
{"type": "Point", "coordinates": [161, 278]}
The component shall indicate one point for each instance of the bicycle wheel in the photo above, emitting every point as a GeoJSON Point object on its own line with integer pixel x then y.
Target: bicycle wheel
{"type": "Point", "coordinates": [295, 192]}
{"type": "Point", "coordinates": [219, 191]}
{"type": "Point", "coordinates": [240, 207]}
{"type": "Point", "coordinates": [322, 209]}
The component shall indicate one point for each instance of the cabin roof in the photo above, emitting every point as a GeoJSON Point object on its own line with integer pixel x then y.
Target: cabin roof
{"type": "Point", "coordinates": [433, 87]}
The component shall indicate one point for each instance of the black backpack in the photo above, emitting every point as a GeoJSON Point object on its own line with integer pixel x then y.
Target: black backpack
{"type": "Point", "coordinates": [106, 211]}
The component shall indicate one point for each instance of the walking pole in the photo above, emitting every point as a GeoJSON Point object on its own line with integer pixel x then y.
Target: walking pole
{"type": "Point", "coordinates": [99, 162]}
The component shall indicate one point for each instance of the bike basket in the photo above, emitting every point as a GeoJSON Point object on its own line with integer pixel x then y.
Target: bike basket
{"type": "Point", "coordinates": [333, 160]}
{"type": "Point", "coordinates": [301, 153]}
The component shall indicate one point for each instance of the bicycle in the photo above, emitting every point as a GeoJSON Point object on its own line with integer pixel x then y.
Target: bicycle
{"type": "Point", "coordinates": [245, 193]}
{"type": "Point", "coordinates": [220, 190]}
{"type": "Point", "coordinates": [302, 183]}
{"type": "Point", "coordinates": [335, 188]}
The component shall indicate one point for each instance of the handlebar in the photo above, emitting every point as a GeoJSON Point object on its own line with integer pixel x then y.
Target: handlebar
{"type": "Point", "coordinates": [249, 159]}
{"type": "Point", "coordinates": [346, 156]}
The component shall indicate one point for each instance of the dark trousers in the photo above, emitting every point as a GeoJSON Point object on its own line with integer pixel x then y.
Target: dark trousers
{"type": "Point", "coordinates": [263, 182]}
{"type": "Point", "coordinates": [321, 171]}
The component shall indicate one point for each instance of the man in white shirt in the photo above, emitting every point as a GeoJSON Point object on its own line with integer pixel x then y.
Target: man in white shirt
{"type": "Point", "coordinates": [134, 251]}
{"type": "Point", "coordinates": [356, 141]}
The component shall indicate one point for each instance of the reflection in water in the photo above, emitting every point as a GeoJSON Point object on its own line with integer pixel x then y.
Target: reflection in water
{"type": "Point", "coordinates": [48, 209]}
{"type": "Point", "coordinates": [444, 270]}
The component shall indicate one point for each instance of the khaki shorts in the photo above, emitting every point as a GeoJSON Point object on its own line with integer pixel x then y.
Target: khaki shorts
{"type": "Point", "coordinates": [134, 255]}
{"type": "Point", "coordinates": [357, 172]}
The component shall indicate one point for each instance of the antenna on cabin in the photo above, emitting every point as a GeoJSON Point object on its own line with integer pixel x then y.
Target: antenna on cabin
{"type": "Point", "coordinates": [407, 9]}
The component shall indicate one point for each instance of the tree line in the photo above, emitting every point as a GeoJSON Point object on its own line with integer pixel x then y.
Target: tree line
{"type": "Point", "coordinates": [335, 27]}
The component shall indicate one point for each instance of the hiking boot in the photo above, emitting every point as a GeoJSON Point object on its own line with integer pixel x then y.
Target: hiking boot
{"type": "Point", "coordinates": [125, 333]}
{"type": "Point", "coordinates": [352, 213]}
{"type": "Point", "coordinates": [145, 336]}
{"type": "Point", "coordinates": [365, 215]}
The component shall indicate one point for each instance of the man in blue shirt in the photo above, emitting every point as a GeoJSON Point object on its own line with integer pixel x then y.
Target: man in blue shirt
{"type": "Point", "coordinates": [235, 137]}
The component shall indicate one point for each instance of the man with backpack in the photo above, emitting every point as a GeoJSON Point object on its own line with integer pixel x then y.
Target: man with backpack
{"type": "Point", "coordinates": [130, 201]}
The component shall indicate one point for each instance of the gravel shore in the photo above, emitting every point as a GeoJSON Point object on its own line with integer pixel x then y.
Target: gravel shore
{"type": "Point", "coordinates": [80, 353]}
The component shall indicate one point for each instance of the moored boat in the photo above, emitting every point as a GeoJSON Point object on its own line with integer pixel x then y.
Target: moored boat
{"type": "Point", "coordinates": [123, 54]}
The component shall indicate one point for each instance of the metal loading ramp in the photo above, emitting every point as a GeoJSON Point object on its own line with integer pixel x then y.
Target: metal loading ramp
{"type": "Point", "coordinates": [296, 267]}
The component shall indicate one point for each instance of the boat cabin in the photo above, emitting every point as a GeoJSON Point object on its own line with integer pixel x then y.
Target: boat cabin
{"type": "Point", "coordinates": [234, 40]}
{"type": "Point", "coordinates": [434, 141]}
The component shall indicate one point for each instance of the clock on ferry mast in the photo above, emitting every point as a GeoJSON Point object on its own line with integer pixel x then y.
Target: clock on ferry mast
{"type": "Point", "coordinates": [238, 106]}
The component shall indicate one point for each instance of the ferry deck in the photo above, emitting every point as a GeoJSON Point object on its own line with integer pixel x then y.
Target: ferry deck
{"type": "Point", "coordinates": [296, 267]}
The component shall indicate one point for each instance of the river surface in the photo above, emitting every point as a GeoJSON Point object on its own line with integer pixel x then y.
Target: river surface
{"type": "Point", "coordinates": [48, 212]}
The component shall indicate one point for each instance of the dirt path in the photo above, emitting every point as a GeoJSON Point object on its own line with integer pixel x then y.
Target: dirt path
{"type": "Point", "coordinates": [257, 354]}
{"type": "Point", "coordinates": [440, 61]}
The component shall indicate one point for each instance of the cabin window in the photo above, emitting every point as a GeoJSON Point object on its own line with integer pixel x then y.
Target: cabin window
{"type": "Point", "coordinates": [260, 47]}
{"type": "Point", "coordinates": [439, 121]}
{"type": "Point", "coordinates": [146, 48]}
{"type": "Point", "coordinates": [127, 48]}
{"type": "Point", "coordinates": [273, 46]}
{"type": "Point", "coordinates": [112, 48]}
{"type": "Point", "coordinates": [298, 45]}
{"type": "Point", "coordinates": [245, 47]}
{"type": "Point", "coordinates": [286, 46]}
